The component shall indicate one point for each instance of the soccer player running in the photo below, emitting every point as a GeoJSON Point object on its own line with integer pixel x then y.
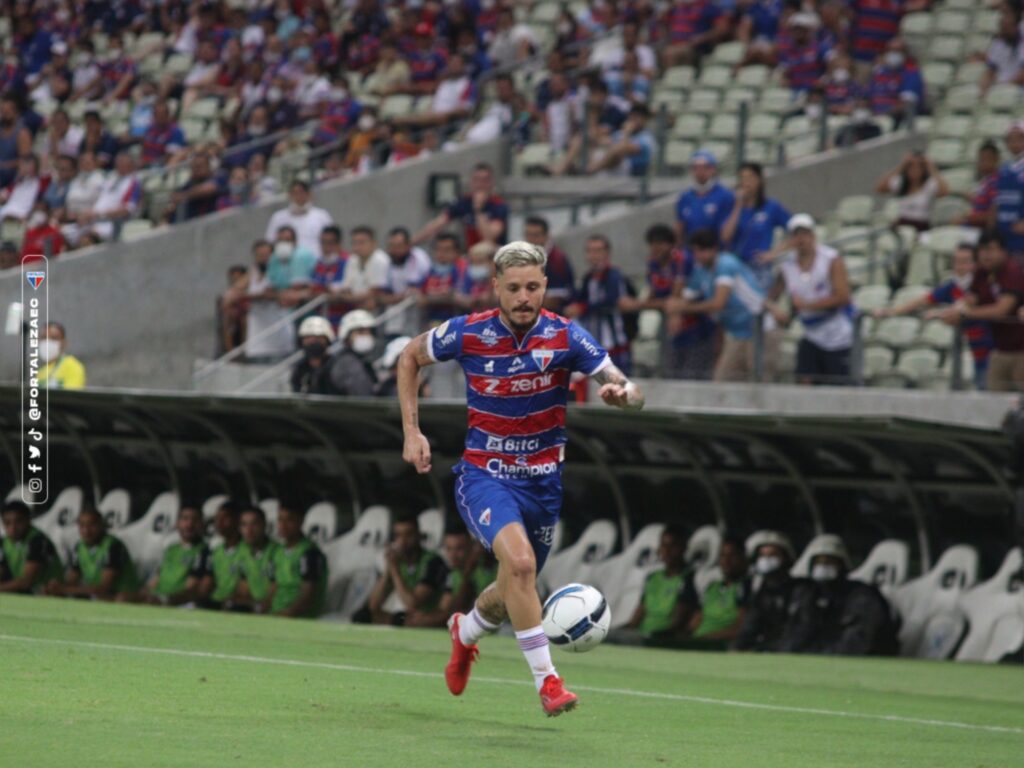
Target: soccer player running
{"type": "Point", "coordinates": [518, 359]}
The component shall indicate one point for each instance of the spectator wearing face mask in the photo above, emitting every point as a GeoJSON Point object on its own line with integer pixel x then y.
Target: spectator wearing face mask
{"type": "Point", "coordinates": [765, 617]}
{"type": "Point", "coordinates": [305, 219]}
{"type": "Point", "coordinates": [41, 235]}
{"type": "Point", "coordinates": [61, 370]}
{"type": "Point", "coordinates": [708, 203]}
{"type": "Point", "coordinates": [237, 192]}
{"type": "Point", "coordinates": [978, 333]}
{"type": "Point", "coordinates": [839, 88]}
{"type": "Point", "coordinates": [407, 271]}
{"type": "Point", "coordinates": [832, 614]}
{"type": "Point", "coordinates": [308, 375]}
{"type": "Point", "coordinates": [447, 272]}
{"type": "Point", "coordinates": [476, 290]}
{"type": "Point", "coordinates": [896, 85]}
{"type": "Point", "coordinates": [291, 268]}
{"type": "Point", "coordinates": [350, 372]}
{"type": "Point", "coordinates": [801, 53]}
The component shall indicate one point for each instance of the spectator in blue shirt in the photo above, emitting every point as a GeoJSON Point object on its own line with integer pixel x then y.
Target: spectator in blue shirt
{"type": "Point", "coordinates": [1008, 211]}
{"type": "Point", "coordinates": [705, 205]}
{"type": "Point", "coordinates": [734, 298]}
{"type": "Point", "coordinates": [896, 83]}
{"type": "Point", "coordinates": [632, 149]}
{"type": "Point", "coordinates": [750, 229]}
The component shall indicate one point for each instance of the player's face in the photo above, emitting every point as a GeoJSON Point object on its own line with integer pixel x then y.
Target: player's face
{"type": "Point", "coordinates": [225, 524]}
{"type": "Point", "coordinates": [520, 292]}
{"type": "Point", "coordinates": [702, 172]}
{"type": "Point", "coordinates": [254, 529]}
{"type": "Point", "coordinates": [16, 525]}
{"type": "Point", "coordinates": [406, 538]}
{"type": "Point", "coordinates": [289, 525]}
{"type": "Point", "coordinates": [670, 550]}
{"type": "Point", "coordinates": [732, 561]}
{"type": "Point", "coordinates": [90, 529]}
{"type": "Point", "coordinates": [190, 524]}
{"type": "Point", "coordinates": [456, 549]}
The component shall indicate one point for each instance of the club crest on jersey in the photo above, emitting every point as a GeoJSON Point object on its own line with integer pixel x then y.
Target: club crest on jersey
{"type": "Point", "coordinates": [543, 358]}
{"type": "Point", "coordinates": [517, 365]}
{"type": "Point", "coordinates": [489, 366]}
{"type": "Point", "coordinates": [549, 332]}
{"type": "Point", "coordinates": [485, 517]}
{"type": "Point", "coordinates": [489, 336]}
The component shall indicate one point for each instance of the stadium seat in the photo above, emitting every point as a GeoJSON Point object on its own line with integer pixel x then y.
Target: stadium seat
{"type": "Point", "coordinates": [877, 362]}
{"type": "Point", "coordinates": [61, 516]}
{"type": "Point", "coordinates": [270, 507]}
{"type": "Point", "coordinates": [677, 155]}
{"type": "Point", "coordinates": [704, 102]}
{"type": "Point", "coordinates": [994, 611]}
{"type": "Point", "coordinates": [621, 577]}
{"type": "Point", "coordinates": [728, 54]}
{"type": "Point", "coordinates": [397, 105]}
{"type": "Point", "coordinates": [116, 506]}
{"type": "Point", "coordinates": [678, 78]}
{"type": "Point", "coordinates": [951, 22]}
{"type": "Point", "coordinates": [431, 523]}
{"type": "Point", "coordinates": [533, 156]}
{"type": "Point", "coordinates": [691, 127]}
{"type": "Point", "coordinates": [702, 550]}
{"type": "Point", "coordinates": [733, 97]}
{"type": "Point", "coordinates": [969, 73]}
{"type": "Point", "coordinates": [948, 210]}
{"type": "Point", "coordinates": [992, 125]}
{"type": "Point", "coordinates": [963, 98]}
{"type": "Point", "coordinates": [1004, 97]}
{"type": "Point", "coordinates": [776, 101]}
{"type": "Point", "coordinates": [755, 76]}
{"type": "Point", "coordinates": [146, 538]}
{"type": "Point", "coordinates": [321, 523]}
{"type": "Point", "coordinates": [576, 562]}
{"type": "Point", "coordinates": [919, 364]}
{"type": "Point", "coordinates": [946, 153]}
{"type": "Point", "coordinates": [871, 297]}
{"type": "Point", "coordinates": [897, 332]}
{"type": "Point", "coordinates": [545, 13]}
{"type": "Point", "coordinates": [946, 48]}
{"type": "Point", "coordinates": [917, 26]}
{"type": "Point", "coordinates": [938, 76]}
{"type": "Point", "coordinates": [937, 335]}
{"type": "Point", "coordinates": [855, 209]}
{"type": "Point", "coordinates": [953, 126]}
{"type": "Point", "coordinates": [718, 78]}
{"type": "Point", "coordinates": [353, 563]}
{"type": "Point", "coordinates": [946, 239]}
{"type": "Point", "coordinates": [933, 594]}
{"type": "Point", "coordinates": [985, 22]}
{"type": "Point", "coordinates": [886, 566]}
{"type": "Point", "coordinates": [133, 229]}
{"type": "Point", "coordinates": [724, 127]}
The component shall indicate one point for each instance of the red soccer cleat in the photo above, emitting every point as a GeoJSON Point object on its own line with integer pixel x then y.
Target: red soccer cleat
{"type": "Point", "coordinates": [456, 674]}
{"type": "Point", "coordinates": [554, 698]}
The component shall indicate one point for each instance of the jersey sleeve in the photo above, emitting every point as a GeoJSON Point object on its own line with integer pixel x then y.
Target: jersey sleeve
{"type": "Point", "coordinates": [727, 271]}
{"type": "Point", "coordinates": [445, 341]}
{"type": "Point", "coordinates": [942, 295]}
{"type": "Point", "coordinates": [585, 354]}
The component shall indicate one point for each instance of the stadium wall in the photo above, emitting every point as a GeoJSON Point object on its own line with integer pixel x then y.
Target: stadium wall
{"type": "Point", "coordinates": [140, 313]}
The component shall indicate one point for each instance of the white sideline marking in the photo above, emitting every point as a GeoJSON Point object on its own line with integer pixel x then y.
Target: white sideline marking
{"type": "Point", "coordinates": [503, 681]}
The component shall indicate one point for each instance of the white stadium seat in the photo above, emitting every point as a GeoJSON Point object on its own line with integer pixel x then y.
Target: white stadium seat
{"type": "Point", "coordinates": [116, 508]}
{"type": "Point", "coordinates": [802, 567]}
{"type": "Point", "coordinates": [574, 563]}
{"type": "Point", "coordinates": [270, 507]}
{"type": "Point", "coordinates": [934, 595]}
{"type": "Point", "coordinates": [352, 563]}
{"type": "Point", "coordinates": [15, 493]}
{"type": "Point", "coordinates": [994, 611]}
{"type": "Point", "coordinates": [702, 556]}
{"type": "Point", "coordinates": [431, 522]}
{"type": "Point", "coordinates": [621, 577]}
{"type": "Point", "coordinates": [321, 523]}
{"type": "Point", "coordinates": [147, 537]}
{"type": "Point", "coordinates": [885, 566]}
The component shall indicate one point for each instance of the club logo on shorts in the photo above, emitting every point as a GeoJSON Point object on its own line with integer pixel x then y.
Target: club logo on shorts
{"type": "Point", "coordinates": [543, 358]}
{"type": "Point", "coordinates": [485, 517]}
{"type": "Point", "coordinates": [517, 365]}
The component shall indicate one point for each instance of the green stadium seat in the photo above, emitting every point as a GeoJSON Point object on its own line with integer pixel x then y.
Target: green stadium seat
{"type": "Point", "coordinates": [178, 64]}
{"type": "Point", "coordinates": [897, 332]}
{"type": "Point", "coordinates": [798, 126]}
{"type": "Point", "coordinates": [858, 270]}
{"type": "Point", "coordinates": [938, 76]}
{"type": "Point", "coordinates": [758, 152]}
{"type": "Point", "coordinates": [672, 100]}
{"type": "Point", "coordinates": [692, 126]}
{"type": "Point", "coordinates": [133, 229]}
{"type": "Point", "coordinates": [204, 109]}
{"type": "Point", "coordinates": [918, 364]}
{"type": "Point", "coordinates": [985, 22]}
{"type": "Point", "coordinates": [728, 54]}
{"type": "Point", "coordinates": [946, 239]}
{"type": "Point", "coordinates": [855, 209]}
{"type": "Point", "coordinates": [877, 361]}
{"type": "Point", "coordinates": [952, 126]}
{"type": "Point", "coordinates": [871, 297]}
{"type": "Point", "coordinates": [545, 13]}
{"type": "Point", "coordinates": [937, 335]}
{"type": "Point", "coordinates": [755, 76]}
{"type": "Point", "coordinates": [722, 150]}
{"type": "Point", "coordinates": [144, 41]}
{"type": "Point", "coordinates": [398, 105]}
{"type": "Point", "coordinates": [679, 78]}
{"type": "Point", "coordinates": [193, 130]}
{"type": "Point", "coordinates": [718, 78]}
{"type": "Point", "coordinates": [961, 180]}
{"type": "Point", "coordinates": [1005, 97]}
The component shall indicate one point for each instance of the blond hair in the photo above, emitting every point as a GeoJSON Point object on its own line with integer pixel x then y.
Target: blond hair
{"type": "Point", "coordinates": [519, 253]}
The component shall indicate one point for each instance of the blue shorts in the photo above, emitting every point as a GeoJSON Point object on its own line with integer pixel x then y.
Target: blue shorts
{"type": "Point", "coordinates": [487, 504]}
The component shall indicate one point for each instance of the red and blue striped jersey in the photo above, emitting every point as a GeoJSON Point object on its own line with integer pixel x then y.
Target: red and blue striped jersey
{"type": "Point", "coordinates": [875, 23]}
{"type": "Point", "coordinates": [516, 388]}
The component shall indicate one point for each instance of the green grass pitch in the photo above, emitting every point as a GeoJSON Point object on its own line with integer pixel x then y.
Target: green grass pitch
{"type": "Point", "coordinates": [88, 684]}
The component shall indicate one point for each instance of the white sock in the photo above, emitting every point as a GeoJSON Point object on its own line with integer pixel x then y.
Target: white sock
{"type": "Point", "coordinates": [534, 645]}
{"type": "Point", "coordinates": [474, 626]}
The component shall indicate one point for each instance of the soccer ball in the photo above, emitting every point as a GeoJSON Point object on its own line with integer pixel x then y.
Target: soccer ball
{"type": "Point", "coordinates": [576, 617]}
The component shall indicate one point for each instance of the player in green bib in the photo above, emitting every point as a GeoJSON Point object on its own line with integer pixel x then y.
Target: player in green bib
{"type": "Point", "coordinates": [720, 612]}
{"type": "Point", "coordinates": [220, 581]}
{"type": "Point", "coordinates": [101, 567]}
{"type": "Point", "coordinates": [183, 565]}
{"type": "Point", "coordinates": [28, 559]}
{"type": "Point", "coordinates": [416, 576]}
{"type": "Point", "coordinates": [300, 570]}
{"type": "Point", "coordinates": [662, 613]}
{"type": "Point", "coordinates": [256, 556]}
{"type": "Point", "coordinates": [472, 569]}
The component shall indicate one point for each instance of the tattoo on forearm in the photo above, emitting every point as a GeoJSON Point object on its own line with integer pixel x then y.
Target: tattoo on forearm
{"type": "Point", "coordinates": [611, 375]}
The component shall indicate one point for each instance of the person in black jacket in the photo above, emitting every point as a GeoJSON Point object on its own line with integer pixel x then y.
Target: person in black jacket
{"type": "Point", "coordinates": [349, 371]}
{"type": "Point", "coordinates": [766, 615]}
{"type": "Point", "coordinates": [315, 337]}
{"type": "Point", "coordinates": [832, 614]}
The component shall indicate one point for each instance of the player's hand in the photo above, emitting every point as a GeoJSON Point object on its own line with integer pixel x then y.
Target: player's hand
{"type": "Point", "coordinates": [621, 395]}
{"type": "Point", "coordinates": [417, 452]}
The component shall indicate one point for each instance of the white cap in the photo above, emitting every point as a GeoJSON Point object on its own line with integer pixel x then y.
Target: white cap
{"type": "Point", "coordinates": [800, 221]}
{"type": "Point", "coordinates": [316, 326]}
{"type": "Point", "coordinates": [356, 320]}
{"type": "Point", "coordinates": [804, 19]}
{"type": "Point", "coordinates": [764, 538]}
{"type": "Point", "coordinates": [828, 544]}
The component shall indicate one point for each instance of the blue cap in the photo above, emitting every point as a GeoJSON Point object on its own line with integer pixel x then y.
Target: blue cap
{"type": "Point", "coordinates": [704, 156]}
